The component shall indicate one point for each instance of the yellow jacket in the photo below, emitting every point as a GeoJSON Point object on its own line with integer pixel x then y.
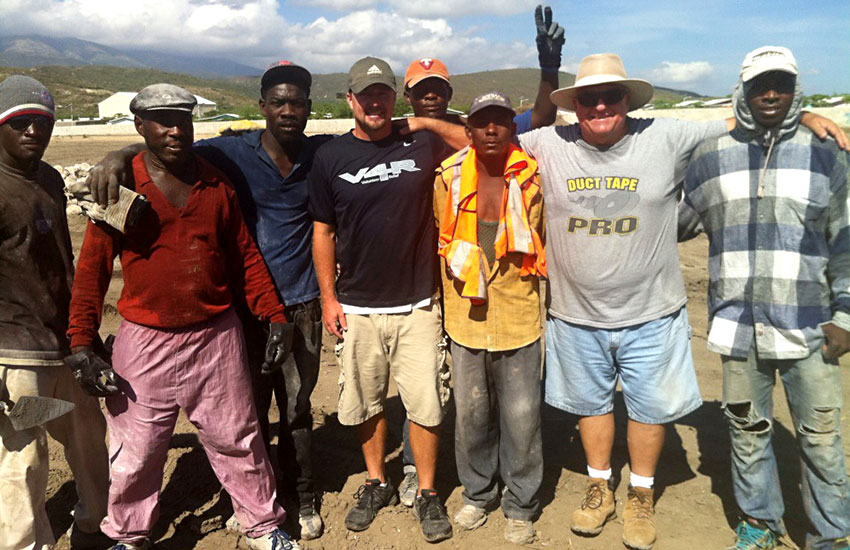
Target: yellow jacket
{"type": "Point", "coordinates": [491, 307]}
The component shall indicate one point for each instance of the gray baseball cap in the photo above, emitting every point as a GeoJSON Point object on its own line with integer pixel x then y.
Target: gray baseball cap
{"type": "Point", "coordinates": [491, 99]}
{"type": "Point", "coordinates": [368, 71]}
{"type": "Point", "coordinates": [163, 97]}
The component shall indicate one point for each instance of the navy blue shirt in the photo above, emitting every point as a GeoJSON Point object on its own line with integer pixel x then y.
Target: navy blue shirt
{"type": "Point", "coordinates": [274, 207]}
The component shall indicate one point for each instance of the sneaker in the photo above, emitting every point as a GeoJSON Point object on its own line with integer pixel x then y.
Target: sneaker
{"type": "Point", "coordinates": [311, 523]}
{"type": "Point", "coordinates": [597, 507]}
{"type": "Point", "coordinates": [754, 536]}
{"type": "Point", "coordinates": [471, 517]}
{"type": "Point", "coordinates": [370, 498]}
{"type": "Point", "coordinates": [639, 519]}
{"type": "Point", "coordinates": [141, 545]}
{"type": "Point", "coordinates": [276, 540]}
{"type": "Point", "coordinates": [81, 540]}
{"type": "Point", "coordinates": [519, 531]}
{"type": "Point", "coordinates": [841, 544]}
{"type": "Point", "coordinates": [432, 516]}
{"type": "Point", "coordinates": [409, 486]}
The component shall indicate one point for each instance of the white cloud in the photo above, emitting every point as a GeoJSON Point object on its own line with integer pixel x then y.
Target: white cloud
{"type": "Point", "coordinates": [435, 8]}
{"type": "Point", "coordinates": [181, 26]}
{"type": "Point", "coordinates": [671, 72]}
{"type": "Point", "coordinates": [253, 32]}
{"type": "Point", "coordinates": [335, 44]}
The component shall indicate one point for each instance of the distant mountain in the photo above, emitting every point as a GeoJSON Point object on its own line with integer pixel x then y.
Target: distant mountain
{"type": "Point", "coordinates": [79, 87]}
{"type": "Point", "coordinates": [519, 84]}
{"type": "Point", "coordinates": [37, 51]}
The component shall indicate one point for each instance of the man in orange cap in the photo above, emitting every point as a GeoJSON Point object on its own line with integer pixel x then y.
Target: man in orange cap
{"type": "Point", "coordinates": [428, 87]}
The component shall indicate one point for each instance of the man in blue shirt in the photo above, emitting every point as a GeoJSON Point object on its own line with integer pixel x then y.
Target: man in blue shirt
{"type": "Point", "coordinates": [269, 168]}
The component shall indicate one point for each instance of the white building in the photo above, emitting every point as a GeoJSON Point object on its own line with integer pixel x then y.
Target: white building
{"type": "Point", "coordinates": [119, 104]}
{"type": "Point", "coordinates": [719, 102]}
{"type": "Point", "coordinates": [116, 104]}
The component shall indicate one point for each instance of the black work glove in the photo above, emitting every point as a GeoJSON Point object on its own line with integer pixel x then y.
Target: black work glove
{"type": "Point", "coordinates": [278, 346]}
{"type": "Point", "coordinates": [93, 374]}
{"type": "Point", "coordinates": [550, 39]}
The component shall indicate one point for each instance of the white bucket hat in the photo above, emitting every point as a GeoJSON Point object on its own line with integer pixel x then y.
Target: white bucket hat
{"type": "Point", "coordinates": [603, 68]}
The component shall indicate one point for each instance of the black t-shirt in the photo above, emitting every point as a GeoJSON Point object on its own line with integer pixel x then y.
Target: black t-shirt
{"type": "Point", "coordinates": [378, 197]}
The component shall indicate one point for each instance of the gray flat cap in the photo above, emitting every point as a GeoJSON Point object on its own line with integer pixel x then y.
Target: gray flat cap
{"type": "Point", "coordinates": [162, 97]}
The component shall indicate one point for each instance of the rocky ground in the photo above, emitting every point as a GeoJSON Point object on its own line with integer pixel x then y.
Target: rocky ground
{"type": "Point", "coordinates": [695, 506]}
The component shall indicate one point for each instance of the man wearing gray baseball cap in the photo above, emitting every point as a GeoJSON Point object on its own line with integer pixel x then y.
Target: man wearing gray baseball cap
{"type": "Point", "coordinates": [180, 345]}
{"type": "Point", "coordinates": [370, 198]}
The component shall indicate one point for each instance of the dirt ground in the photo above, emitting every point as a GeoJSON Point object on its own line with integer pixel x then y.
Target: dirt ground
{"type": "Point", "coordinates": [695, 506]}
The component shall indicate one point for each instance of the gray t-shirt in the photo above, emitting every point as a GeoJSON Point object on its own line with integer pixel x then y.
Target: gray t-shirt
{"type": "Point", "coordinates": [611, 219]}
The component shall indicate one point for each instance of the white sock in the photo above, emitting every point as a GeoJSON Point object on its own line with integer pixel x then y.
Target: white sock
{"type": "Point", "coordinates": [599, 474]}
{"type": "Point", "coordinates": [641, 481]}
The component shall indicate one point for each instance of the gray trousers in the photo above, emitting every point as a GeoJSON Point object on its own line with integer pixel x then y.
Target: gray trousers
{"type": "Point", "coordinates": [497, 431]}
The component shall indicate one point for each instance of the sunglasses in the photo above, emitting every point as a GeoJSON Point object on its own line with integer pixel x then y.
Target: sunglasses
{"type": "Point", "coordinates": [21, 123]}
{"type": "Point", "coordinates": [608, 97]}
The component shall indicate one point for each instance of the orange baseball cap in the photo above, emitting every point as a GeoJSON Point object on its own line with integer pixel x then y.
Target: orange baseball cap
{"type": "Point", "coordinates": [426, 67]}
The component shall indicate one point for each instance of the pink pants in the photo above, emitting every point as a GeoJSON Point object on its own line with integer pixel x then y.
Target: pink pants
{"type": "Point", "coordinates": [200, 369]}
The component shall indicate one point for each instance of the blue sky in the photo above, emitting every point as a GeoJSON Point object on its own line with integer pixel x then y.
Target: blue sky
{"type": "Point", "coordinates": [694, 46]}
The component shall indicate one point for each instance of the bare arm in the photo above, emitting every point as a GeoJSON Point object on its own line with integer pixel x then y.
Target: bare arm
{"type": "Point", "coordinates": [453, 134]}
{"type": "Point", "coordinates": [823, 127]}
{"type": "Point", "coordinates": [113, 171]}
{"type": "Point", "coordinates": [324, 258]}
{"type": "Point", "coordinates": [544, 111]}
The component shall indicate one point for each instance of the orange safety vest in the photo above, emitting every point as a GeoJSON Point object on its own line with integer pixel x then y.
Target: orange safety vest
{"type": "Point", "coordinates": [459, 223]}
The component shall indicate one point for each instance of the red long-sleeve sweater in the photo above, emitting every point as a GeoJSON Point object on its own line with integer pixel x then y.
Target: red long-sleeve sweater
{"type": "Point", "coordinates": [180, 265]}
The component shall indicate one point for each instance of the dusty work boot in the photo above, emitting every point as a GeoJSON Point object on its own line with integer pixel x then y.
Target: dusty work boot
{"type": "Point", "coordinates": [754, 535]}
{"type": "Point", "coordinates": [370, 498]}
{"type": "Point", "coordinates": [470, 517]}
{"type": "Point", "coordinates": [310, 521]}
{"type": "Point", "coordinates": [409, 486]}
{"type": "Point", "coordinates": [432, 516]}
{"type": "Point", "coordinates": [519, 531]}
{"type": "Point", "coordinates": [276, 540]}
{"type": "Point", "coordinates": [597, 507]}
{"type": "Point", "coordinates": [639, 519]}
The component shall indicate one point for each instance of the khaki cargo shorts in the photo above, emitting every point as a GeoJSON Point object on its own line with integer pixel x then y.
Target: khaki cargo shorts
{"type": "Point", "coordinates": [410, 347]}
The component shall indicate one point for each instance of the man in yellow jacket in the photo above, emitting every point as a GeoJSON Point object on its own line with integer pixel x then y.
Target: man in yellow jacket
{"type": "Point", "coordinates": [488, 202]}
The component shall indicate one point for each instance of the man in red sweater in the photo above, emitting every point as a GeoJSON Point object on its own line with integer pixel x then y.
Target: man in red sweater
{"type": "Point", "coordinates": [180, 345]}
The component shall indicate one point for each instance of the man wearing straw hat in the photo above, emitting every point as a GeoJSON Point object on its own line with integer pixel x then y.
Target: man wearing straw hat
{"type": "Point", "coordinates": [617, 296]}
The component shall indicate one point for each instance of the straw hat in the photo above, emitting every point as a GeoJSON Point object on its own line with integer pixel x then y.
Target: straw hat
{"type": "Point", "coordinates": [603, 68]}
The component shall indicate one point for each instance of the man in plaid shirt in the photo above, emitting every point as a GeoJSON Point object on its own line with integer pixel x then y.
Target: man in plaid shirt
{"type": "Point", "coordinates": [774, 203]}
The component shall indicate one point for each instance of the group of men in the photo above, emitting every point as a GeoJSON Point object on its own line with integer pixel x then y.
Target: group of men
{"type": "Point", "coordinates": [273, 234]}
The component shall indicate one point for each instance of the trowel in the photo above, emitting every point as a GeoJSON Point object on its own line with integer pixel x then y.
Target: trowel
{"type": "Point", "coordinates": [32, 410]}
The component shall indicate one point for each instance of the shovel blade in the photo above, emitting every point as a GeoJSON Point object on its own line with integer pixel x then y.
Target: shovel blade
{"type": "Point", "coordinates": [30, 411]}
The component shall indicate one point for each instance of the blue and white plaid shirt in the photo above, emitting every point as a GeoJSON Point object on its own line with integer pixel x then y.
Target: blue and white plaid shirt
{"type": "Point", "coordinates": [779, 265]}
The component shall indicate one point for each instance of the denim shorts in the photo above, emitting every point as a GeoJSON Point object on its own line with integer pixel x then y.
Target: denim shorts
{"type": "Point", "coordinates": [652, 361]}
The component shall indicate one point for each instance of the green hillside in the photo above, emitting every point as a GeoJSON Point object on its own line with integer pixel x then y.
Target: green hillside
{"type": "Point", "coordinates": [81, 88]}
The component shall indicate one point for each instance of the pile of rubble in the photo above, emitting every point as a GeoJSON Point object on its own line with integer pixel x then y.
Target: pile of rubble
{"type": "Point", "coordinates": [75, 185]}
